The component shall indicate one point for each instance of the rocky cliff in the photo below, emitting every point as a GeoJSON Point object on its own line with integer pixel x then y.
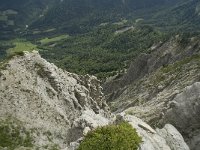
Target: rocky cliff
{"type": "Point", "coordinates": [43, 107]}
{"type": "Point", "coordinates": [48, 101]}
{"type": "Point", "coordinates": [163, 87]}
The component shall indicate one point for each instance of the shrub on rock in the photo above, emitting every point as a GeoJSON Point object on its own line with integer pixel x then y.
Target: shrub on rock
{"type": "Point", "coordinates": [112, 137]}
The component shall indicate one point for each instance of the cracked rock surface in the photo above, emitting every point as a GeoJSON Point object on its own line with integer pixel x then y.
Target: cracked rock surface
{"type": "Point", "coordinates": [162, 87]}
{"type": "Point", "coordinates": [49, 100]}
{"type": "Point", "coordinates": [58, 108]}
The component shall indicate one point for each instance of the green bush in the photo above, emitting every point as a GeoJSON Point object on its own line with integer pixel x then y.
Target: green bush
{"type": "Point", "coordinates": [13, 135]}
{"type": "Point", "coordinates": [12, 55]}
{"type": "Point", "coordinates": [112, 137]}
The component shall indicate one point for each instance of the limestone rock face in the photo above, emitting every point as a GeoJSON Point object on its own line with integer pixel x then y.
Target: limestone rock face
{"type": "Point", "coordinates": [162, 88]}
{"type": "Point", "coordinates": [179, 108]}
{"type": "Point", "coordinates": [160, 55]}
{"type": "Point", "coordinates": [167, 138]}
{"type": "Point", "coordinates": [57, 108]}
{"type": "Point", "coordinates": [49, 101]}
{"type": "Point", "coordinates": [185, 114]}
{"type": "Point", "coordinates": [173, 138]}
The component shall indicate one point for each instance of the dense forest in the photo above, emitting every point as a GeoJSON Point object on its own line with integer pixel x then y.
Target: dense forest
{"type": "Point", "coordinates": [92, 36]}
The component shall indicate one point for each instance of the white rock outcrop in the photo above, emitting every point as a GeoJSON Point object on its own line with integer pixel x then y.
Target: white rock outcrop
{"type": "Point", "coordinates": [185, 112]}
{"type": "Point", "coordinates": [49, 100]}
{"type": "Point", "coordinates": [162, 88]}
{"type": "Point", "coordinates": [173, 138]}
{"type": "Point", "coordinates": [59, 107]}
{"type": "Point", "coordinates": [167, 138]}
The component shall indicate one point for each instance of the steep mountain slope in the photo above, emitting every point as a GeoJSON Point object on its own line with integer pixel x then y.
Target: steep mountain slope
{"type": "Point", "coordinates": [44, 104]}
{"type": "Point", "coordinates": [16, 16]}
{"type": "Point", "coordinates": [163, 86]}
{"type": "Point", "coordinates": [103, 51]}
{"type": "Point", "coordinates": [44, 107]}
{"type": "Point", "coordinates": [184, 17]}
{"type": "Point", "coordinates": [80, 15]}
{"type": "Point", "coordinates": [27, 10]}
{"type": "Point", "coordinates": [91, 44]}
{"type": "Point", "coordinates": [98, 48]}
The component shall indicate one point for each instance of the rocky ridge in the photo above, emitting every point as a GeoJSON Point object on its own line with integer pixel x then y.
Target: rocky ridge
{"type": "Point", "coordinates": [50, 108]}
{"type": "Point", "coordinates": [48, 100]}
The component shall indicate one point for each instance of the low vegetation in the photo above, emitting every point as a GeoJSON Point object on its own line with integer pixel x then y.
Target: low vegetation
{"type": "Point", "coordinates": [13, 135]}
{"type": "Point", "coordinates": [112, 137]}
{"type": "Point", "coordinates": [53, 39]}
{"type": "Point", "coordinates": [20, 45]}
